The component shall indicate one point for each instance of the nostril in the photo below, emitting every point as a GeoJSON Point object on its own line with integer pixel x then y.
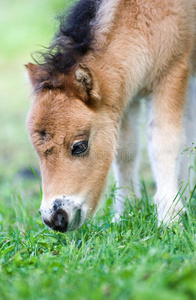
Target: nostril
{"type": "Point", "coordinates": [59, 220]}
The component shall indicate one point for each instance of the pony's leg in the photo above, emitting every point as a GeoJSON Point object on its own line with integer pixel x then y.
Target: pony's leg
{"type": "Point", "coordinates": [186, 176]}
{"type": "Point", "coordinates": [126, 162]}
{"type": "Point", "coordinates": [165, 139]}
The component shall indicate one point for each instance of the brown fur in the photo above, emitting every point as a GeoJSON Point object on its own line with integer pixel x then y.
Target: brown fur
{"type": "Point", "coordinates": [66, 119]}
{"type": "Point", "coordinates": [150, 49]}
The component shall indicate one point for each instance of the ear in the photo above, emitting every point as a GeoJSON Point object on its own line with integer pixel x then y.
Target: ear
{"type": "Point", "coordinates": [39, 77]}
{"type": "Point", "coordinates": [32, 73]}
{"type": "Point", "coordinates": [87, 83]}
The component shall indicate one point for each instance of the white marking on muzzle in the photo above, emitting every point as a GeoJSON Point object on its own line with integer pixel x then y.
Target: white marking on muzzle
{"type": "Point", "coordinates": [74, 206]}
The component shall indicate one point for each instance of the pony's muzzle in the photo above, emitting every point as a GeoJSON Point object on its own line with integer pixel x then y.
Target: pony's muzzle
{"type": "Point", "coordinates": [63, 216]}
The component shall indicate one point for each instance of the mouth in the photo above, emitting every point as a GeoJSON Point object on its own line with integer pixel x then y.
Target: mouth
{"type": "Point", "coordinates": [64, 215]}
{"type": "Point", "coordinates": [76, 221]}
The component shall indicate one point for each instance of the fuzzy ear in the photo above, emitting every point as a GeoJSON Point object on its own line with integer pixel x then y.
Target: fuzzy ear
{"type": "Point", "coordinates": [39, 77]}
{"type": "Point", "coordinates": [86, 82]}
{"type": "Point", "coordinates": [31, 70]}
{"type": "Point", "coordinates": [32, 73]}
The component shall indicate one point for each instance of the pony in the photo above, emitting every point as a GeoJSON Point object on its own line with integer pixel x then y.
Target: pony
{"type": "Point", "coordinates": [105, 57]}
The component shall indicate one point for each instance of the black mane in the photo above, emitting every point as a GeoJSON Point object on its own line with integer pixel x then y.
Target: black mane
{"type": "Point", "coordinates": [74, 38]}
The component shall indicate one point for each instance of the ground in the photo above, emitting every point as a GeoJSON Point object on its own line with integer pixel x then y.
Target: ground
{"type": "Point", "coordinates": [133, 259]}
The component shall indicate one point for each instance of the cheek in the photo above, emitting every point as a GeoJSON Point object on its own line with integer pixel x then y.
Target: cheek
{"type": "Point", "coordinates": [82, 176]}
{"type": "Point", "coordinates": [95, 180]}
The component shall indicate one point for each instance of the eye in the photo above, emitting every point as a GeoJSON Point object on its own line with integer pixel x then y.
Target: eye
{"type": "Point", "coordinates": [79, 148]}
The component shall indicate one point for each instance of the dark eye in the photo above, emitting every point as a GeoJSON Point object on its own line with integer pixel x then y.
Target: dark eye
{"type": "Point", "coordinates": [79, 148]}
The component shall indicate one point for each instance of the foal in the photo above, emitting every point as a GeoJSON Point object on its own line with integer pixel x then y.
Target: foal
{"type": "Point", "coordinates": [106, 56]}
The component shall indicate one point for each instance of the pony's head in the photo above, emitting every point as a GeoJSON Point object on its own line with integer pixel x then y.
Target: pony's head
{"type": "Point", "coordinates": [74, 136]}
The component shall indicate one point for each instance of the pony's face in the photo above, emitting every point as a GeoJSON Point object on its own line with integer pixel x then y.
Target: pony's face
{"type": "Point", "coordinates": [74, 138]}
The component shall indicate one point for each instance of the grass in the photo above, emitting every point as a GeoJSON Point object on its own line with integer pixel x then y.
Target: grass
{"type": "Point", "coordinates": [132, 259]}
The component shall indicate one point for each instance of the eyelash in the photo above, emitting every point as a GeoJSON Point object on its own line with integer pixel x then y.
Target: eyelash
{"type": "Point", "coordinates": [79, 148]}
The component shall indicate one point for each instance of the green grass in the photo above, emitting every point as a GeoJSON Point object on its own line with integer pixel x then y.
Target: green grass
{"type": "Point", "coordinates": [130, 260]}
{"type": "Point", "coordinates": [133, 259]}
